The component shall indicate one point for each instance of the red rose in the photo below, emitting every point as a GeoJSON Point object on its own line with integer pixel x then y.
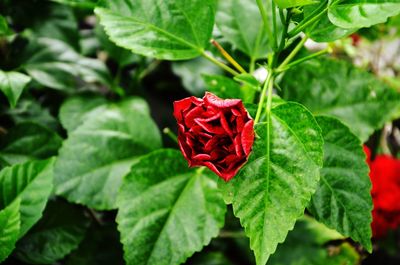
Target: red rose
{"type": "Point", "coordinates": [215, 133]}
{"type": "Point", "coordinates": [385, 178]}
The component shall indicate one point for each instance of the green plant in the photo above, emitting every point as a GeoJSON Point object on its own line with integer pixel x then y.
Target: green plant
{"type": "Point", "coordinates": [77, 119]}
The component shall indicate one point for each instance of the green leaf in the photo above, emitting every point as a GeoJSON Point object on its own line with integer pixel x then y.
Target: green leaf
{"type": "Point", "coordinates": [293, 3]}
{"type": "Point", "coordinates": [222, 86]}
{"type": "Point", "coordinates": [362, 13]}
{"type": "Point", "coordinates": [59, 232]}
{"type": "Point", "coordinates": [120, 55]}
{"type": "Point", "coordinates": [12, 84]}
{"type": "Point", "coordinates": [272, 190]}
{"type": "Point", "coordinates": [28, 141]}
{"type": "Point", "coordinates": [323, 30]}
{"type": "Point", "coordinates": [31, 110]}
{"type": "Point", "coordinates": [241, 24]}
{"type": "Point", "coordinates": [4, 30]}
{"type": "Point", "coordinates": [343, 200]}
{"type": "Point", "coordinates": [168, 211]}
{"type": "Point", "coordinates": [57, 22]}
{"type": "Point", "coordinates": [30, 182]}
{"type": "Point", "coordinates": [191, 72]}
{"type": "Point", "coordinates": [9, 228]}
{"type": "Point", "coordinates": [308, 243]}
{"type": "Point", "coordinates": [55, 64]}
{"type": "Point", "coordinates": [249, 80]}
{"type": "Point", "coordinates": [108, 141]}
{"type": "Point", "coordinates": [338, 89]}
{"type": "Point", "coordinates": [101, 246]}
{"type": "Point", "coordinates": [170, 30]}
{"type": "Point", "coordinates": [89, 4]}
{"type": "Point", "coordinates": [73, 110]}
{"type": "Point", "coordinates": [225, 87]}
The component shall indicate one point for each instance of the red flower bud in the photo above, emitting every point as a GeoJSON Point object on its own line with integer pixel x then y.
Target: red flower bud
{"type": "Point", "coordinates": [215, 133]}
{"type": "Point", "coordinates": [385, 178]}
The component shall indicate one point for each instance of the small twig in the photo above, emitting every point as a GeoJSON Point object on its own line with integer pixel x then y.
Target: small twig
{"type": "Point", "coordinates": [92, 213]}
{"type": "Point", "coordinates": [3, 130]}
{"type": "Point", "coordinates": [167, 131]}
{"type": "Point", "coordinates": [220, 64]}
{"type": "Point", "coordinates": [228, 57]}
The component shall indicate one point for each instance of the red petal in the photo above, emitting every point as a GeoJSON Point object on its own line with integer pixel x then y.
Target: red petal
{"type": "Point", "coordinates": [238, 145]}
{"type": "Point", "coordinates": [236, 112]}
{"type": "Point", "coordinates": [180, 106]}
{"type": "Point", "coordinates": [192, 115]}
{"type": "Point", "coordinates": [186, 150]}
{"type": "Point", "coordinates": [215, 101]}
{"type": "Point", "coordinates": [239, 124]}
{"type": "Point", "coordinates": [225, 125]}
{"type": "Point", "coordinates": [204, 123]}
{"type": "Point", "coordinates": [229, 160]}
{"type": "Point", "coordinates": [202, 157]}
{"type": "Point", "coordinates": [248, 137]}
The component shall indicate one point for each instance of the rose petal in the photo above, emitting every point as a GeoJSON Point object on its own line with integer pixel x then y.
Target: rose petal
{"type": "Point", "coordinates": [248, 137]}
{"type": "Point", "coordinates": [238, 145]}
{"type": "Point", "coordinates": [229, 160]}
{"type": "Point", "coordinates": [181, 128]}
{"type": "Point", "coordinates": [225, 125]}
{"type": "Point", "coordinates": [210, 145]}
{"type": "Point", "coordinates": [192, 115]}
{"type": "Point", "coordinates": [180, 106]}
{"type": "Point", "coordinates": [217, 154]}
{"type": "Point", "coordinates": [202, 157]}
{"type": "Point", "coordinates": [239, 124]}
{"type": "Point", "coordinates": [208, 127]}
{"type": "Point", "coordinates": [214, 169]}
{"type": "Point", "coordinates": [236, 112]}
{"type": "Point", "coordinates": [215, 101]}
{"type": "Point", "coordinates": [186, 150]}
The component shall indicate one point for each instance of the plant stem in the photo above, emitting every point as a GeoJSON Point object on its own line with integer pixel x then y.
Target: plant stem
{"type": "Point", "coordinates": [309, 20]}
{"type": "Point", "coordinates": [228, 57]}
{"type": "Point", "coordinates": [170, 134]}
{"type": "Point", "coordinates": [299, 61]}
{"type": "Point", "coordinates": [275, 41]}
{"type": "Point", "coordinates": [252, 64]}
{"type": "Point", "coordinates": [220, 64]}
{"type": "Point", "coordinates": [285, 23]}
{"type": "Point", "coordinates": [150, 68]}
{"type": "Point", "coordinates": [293, 53]}
{"type": "Point", "coordinates": [265, 19]}
{"type": "Point", "coordinates": [269, 98]}
{"type": "Point", "coordinates": [263, 94]}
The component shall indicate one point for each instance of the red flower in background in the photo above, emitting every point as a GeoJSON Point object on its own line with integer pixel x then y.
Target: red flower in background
{"type": "Point", "coordinates": [215, 133]}
{"type": "Point", "coordinates": [355, 39]}
{"type": "Point", "coordinates": [385, 177]}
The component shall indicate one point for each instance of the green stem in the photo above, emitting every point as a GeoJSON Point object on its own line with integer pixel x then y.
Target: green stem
{"type": "Point", "coordinates": [275, 41]}
{"type": "Point", "coordinates": [299, 61]}
{"type": "Point", "coordinates": [293, 53]}
{"type": "Point", "coordinates": [265, 19]}
{"type": "Point", "coordinates": [285, 28]}
{"type": "Point", "coordinates": [263, 95]}
{"type": "Point", "coordinates": [170, 134]}
{"type": "Point", "coordinates": [228, 57]}
{"type": "Point", "coordinates": [269, 98]}
{"type": "Point", "coordinates": [309, 19]}
{"type": "Point", "coordinates": [220, 64]}
{"type": "Point", "coordinates": [252, 64]}
{"type": "Point", "coordinates": [150, 68]}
